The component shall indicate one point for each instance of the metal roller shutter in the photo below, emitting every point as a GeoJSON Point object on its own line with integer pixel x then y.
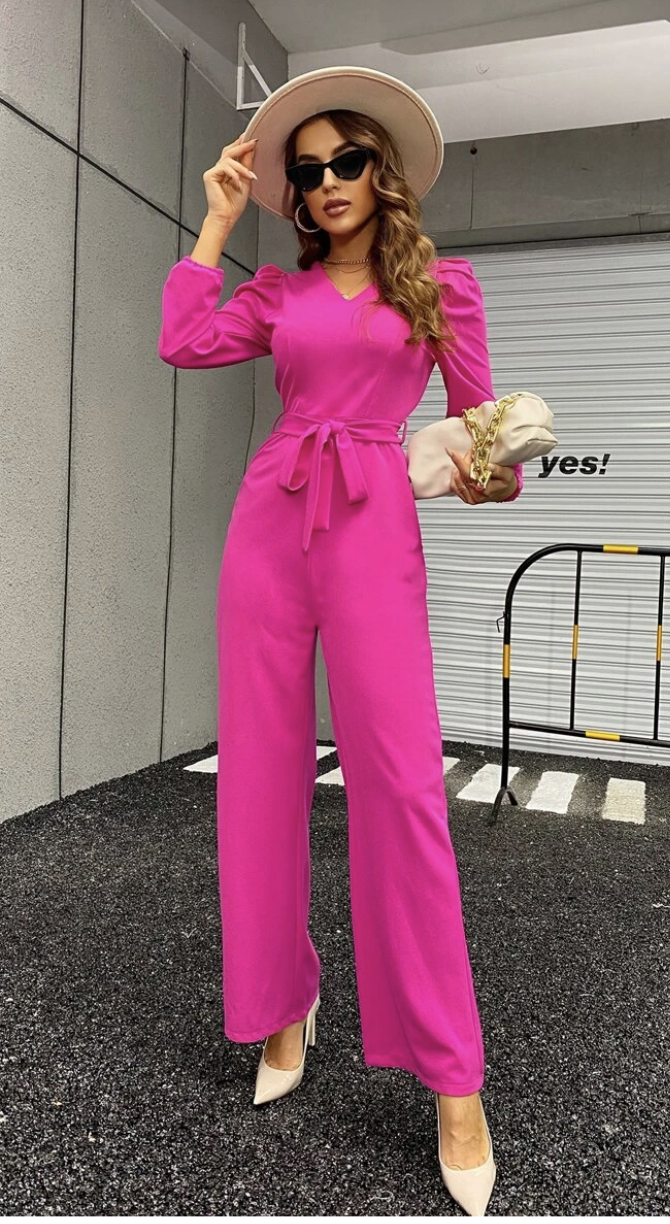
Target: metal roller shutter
{"type": "Point", "coordinates": [587, 327]}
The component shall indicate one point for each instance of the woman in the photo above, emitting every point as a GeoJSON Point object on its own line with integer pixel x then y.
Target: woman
{"type": "Point", "coordinates": [324, 538]}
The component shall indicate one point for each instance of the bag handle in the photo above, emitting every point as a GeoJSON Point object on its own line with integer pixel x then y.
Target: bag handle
{"type": "Point", "coordinates": [483, 440]}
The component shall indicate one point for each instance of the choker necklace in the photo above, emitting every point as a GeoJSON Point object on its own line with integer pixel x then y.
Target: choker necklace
{"type": "Point", "coordinates": [347, 261]}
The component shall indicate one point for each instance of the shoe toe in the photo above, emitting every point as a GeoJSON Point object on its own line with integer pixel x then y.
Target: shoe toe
{"type": "Point", "coordinates": [474, 1196]}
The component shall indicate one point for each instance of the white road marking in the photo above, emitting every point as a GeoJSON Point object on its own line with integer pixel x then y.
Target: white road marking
{"type": "Point", "coordinates": [209, 765]}
{"type": "Point", "coordinates": [334, 778]}
{"type": "Point", "coordinates": [553, 792]}
{"type": "Point", "coordinates": [625, 800]}
{"type": "Point", "coordinates": [485, 785]}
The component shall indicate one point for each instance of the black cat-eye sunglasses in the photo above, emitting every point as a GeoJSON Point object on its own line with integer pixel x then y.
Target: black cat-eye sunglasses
{"type": "Point", "coordinates": [350, 165]}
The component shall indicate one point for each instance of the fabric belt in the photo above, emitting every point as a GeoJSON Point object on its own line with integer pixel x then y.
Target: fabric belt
{"type": "Point", "coordinates": [304, 463]}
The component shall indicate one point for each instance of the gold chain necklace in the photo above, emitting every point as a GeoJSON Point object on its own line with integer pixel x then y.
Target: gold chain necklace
{"type": "Point", "coordinates": [353, 271]}
{"type": "Point", "coordinates": [347, 261]}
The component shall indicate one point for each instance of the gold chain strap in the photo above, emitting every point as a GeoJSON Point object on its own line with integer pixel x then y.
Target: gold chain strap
{"type": "Point", "coordinates": [483, 441]}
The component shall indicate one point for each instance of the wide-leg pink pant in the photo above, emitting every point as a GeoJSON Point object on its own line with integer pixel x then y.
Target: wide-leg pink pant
{"type": "Point", "coordinates": [360, 583]}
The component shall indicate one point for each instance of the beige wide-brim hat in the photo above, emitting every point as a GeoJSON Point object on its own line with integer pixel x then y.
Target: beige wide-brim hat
{"type": "Point", "coordinates": [399, 108]}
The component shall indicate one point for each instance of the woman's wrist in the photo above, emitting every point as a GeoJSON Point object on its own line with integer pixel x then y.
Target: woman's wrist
{"type": "Point", "coordinates": [516, 487]}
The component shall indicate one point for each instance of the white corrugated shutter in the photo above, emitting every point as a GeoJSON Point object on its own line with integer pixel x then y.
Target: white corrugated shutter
{"type": "Point", "coordinates": [587, 327]}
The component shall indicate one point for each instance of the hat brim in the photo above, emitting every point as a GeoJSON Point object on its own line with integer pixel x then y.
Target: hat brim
{"type": "Point", "coordinates": [390, 101]}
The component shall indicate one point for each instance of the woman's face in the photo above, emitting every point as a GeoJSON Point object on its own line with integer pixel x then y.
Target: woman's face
{"type": "Point", "coordinates": [320, 141]}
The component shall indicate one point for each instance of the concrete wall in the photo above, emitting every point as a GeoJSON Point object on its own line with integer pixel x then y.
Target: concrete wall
{"type": "Point", "coordinates": [117, 473]}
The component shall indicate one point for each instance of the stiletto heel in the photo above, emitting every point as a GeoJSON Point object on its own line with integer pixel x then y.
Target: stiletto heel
{"type": "Point", "coordinates": [311, 1038]}
{"type": "Point", "coordinates": [271, 1083]}
{"type": "Point", "coordinates": [471, 1188]}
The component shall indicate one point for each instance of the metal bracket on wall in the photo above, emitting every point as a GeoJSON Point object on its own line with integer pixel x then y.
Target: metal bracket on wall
{"type": "Point", "coordinates": [242, 59]}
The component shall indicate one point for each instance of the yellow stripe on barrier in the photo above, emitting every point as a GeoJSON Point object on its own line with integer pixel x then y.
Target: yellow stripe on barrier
{"type": "Point", "coordinates": [607, 735]}
{"type": "Point", "coordinates": [659, 643]}
{"type": "Point", "coordinates": [575, 640]}
{"type": "Point", "coordinates": [506, 662]}
{"type": "Point", "coordinates": [620, 548]}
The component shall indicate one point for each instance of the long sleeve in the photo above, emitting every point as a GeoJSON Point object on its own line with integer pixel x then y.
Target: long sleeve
{"type": "Point", "coordinates": [467, 370]}
{"type": "Point", "coordinates": [196, 336]}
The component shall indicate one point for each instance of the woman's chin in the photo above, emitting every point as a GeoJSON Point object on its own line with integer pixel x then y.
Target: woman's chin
{"type": "Point", "coordinates": [337, 225]}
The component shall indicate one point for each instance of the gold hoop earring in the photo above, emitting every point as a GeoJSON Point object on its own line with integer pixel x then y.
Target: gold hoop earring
{"type": "Point", "coordinates": [299, 224]}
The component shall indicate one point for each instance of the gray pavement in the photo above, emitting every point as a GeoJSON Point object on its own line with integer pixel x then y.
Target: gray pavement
{"type": "Point", "coordinates": [119, 1094]}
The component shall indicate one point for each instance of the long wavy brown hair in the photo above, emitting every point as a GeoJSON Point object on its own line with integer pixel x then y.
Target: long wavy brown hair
{"type": "Point", "coordinates": [400, 253]}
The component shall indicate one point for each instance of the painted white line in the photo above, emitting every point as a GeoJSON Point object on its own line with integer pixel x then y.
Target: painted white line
{"type": "Point", "coordinates": [553, 792]}
{"type": "Point", "coordinates": [209, 765]}
{"type": "Point", "coordinates": [485, 785]}
{"type": "Point", "coordinates": [625, 800]}
{"type": "Point", "coordinates": [334, 778]}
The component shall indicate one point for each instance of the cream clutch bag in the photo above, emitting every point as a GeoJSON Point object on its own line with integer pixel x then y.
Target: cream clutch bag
{"type": "Point", "coordinates": [511, 430]}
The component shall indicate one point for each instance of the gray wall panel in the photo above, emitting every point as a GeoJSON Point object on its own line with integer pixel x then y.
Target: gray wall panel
{"type": "Point", "coordinates": [39, 62]}
{"type": "Point", "coordinates": [589, 182]}
{"type": "Point", "coordinates": [213, 426]}
{"type": "Point", "coordinates": [35, 296]}
{"type": "Point", "coordinates": [98, 657]}
{"type": "Point", "coordinates": [448, 205]}
{"type": "Point", "coordinates": [132, 100]}
{"type": "Point", "coordinates": [120, 499]}
{"type": "Point", "coordinates": [277, 240]}
{"type": "Point", "coordinates": [654, 141]}
{"type": "Point", "coordinates": [655, 223]}
{"type": "Point", "coordinates": [458, 241]}
{"type": "Point", "coordinates": [588, 174]}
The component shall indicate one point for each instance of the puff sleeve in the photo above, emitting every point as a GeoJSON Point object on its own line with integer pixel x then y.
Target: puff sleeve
{"type": "Point", "coordinates": [196, 336]}
{"type": "Point", "coordinates": [467, 370]}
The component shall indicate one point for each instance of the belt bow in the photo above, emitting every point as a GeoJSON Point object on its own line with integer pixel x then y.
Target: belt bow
{"type": "Point", "coordinates": [317, 471]}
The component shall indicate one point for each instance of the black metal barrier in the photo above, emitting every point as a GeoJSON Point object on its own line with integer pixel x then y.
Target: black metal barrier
{"type": "Point", "coordinates": [509, 723]}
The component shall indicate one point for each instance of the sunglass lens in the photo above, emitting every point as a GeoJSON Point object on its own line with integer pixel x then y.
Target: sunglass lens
{"type": "Point", "coordinates": [350, 165]}
{"type": "Point", "coordinates": [305, 178]}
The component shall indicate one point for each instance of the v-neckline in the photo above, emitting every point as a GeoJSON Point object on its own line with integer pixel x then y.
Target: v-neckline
{"type": "Point", "coordinates": [336, 290]}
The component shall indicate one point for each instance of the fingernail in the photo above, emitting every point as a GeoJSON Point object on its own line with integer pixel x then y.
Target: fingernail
{"type": "Point", "coordinates": [254, 175]}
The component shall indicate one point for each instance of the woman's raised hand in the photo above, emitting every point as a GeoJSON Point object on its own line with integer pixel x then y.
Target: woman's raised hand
{"type": "Point", "coordinates": [228, 183]}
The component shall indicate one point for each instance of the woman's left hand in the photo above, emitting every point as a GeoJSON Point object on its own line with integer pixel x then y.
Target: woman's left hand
{"type": "Point", "coordinates": [502, 483]}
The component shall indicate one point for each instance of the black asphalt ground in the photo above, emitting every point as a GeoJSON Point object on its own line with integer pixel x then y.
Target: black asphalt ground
{"type": "Point", "coordinates": [120, 1096]}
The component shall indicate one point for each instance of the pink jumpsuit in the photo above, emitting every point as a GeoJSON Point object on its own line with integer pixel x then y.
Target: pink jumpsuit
{"type": "Point", "coordinates": [325, 537]}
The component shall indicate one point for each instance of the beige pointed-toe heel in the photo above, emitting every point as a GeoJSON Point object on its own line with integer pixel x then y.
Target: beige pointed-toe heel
{"type": "Point", "coordinates": [471, 1188]}
{"type": "Point", "coordinates": [271, 1083]}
